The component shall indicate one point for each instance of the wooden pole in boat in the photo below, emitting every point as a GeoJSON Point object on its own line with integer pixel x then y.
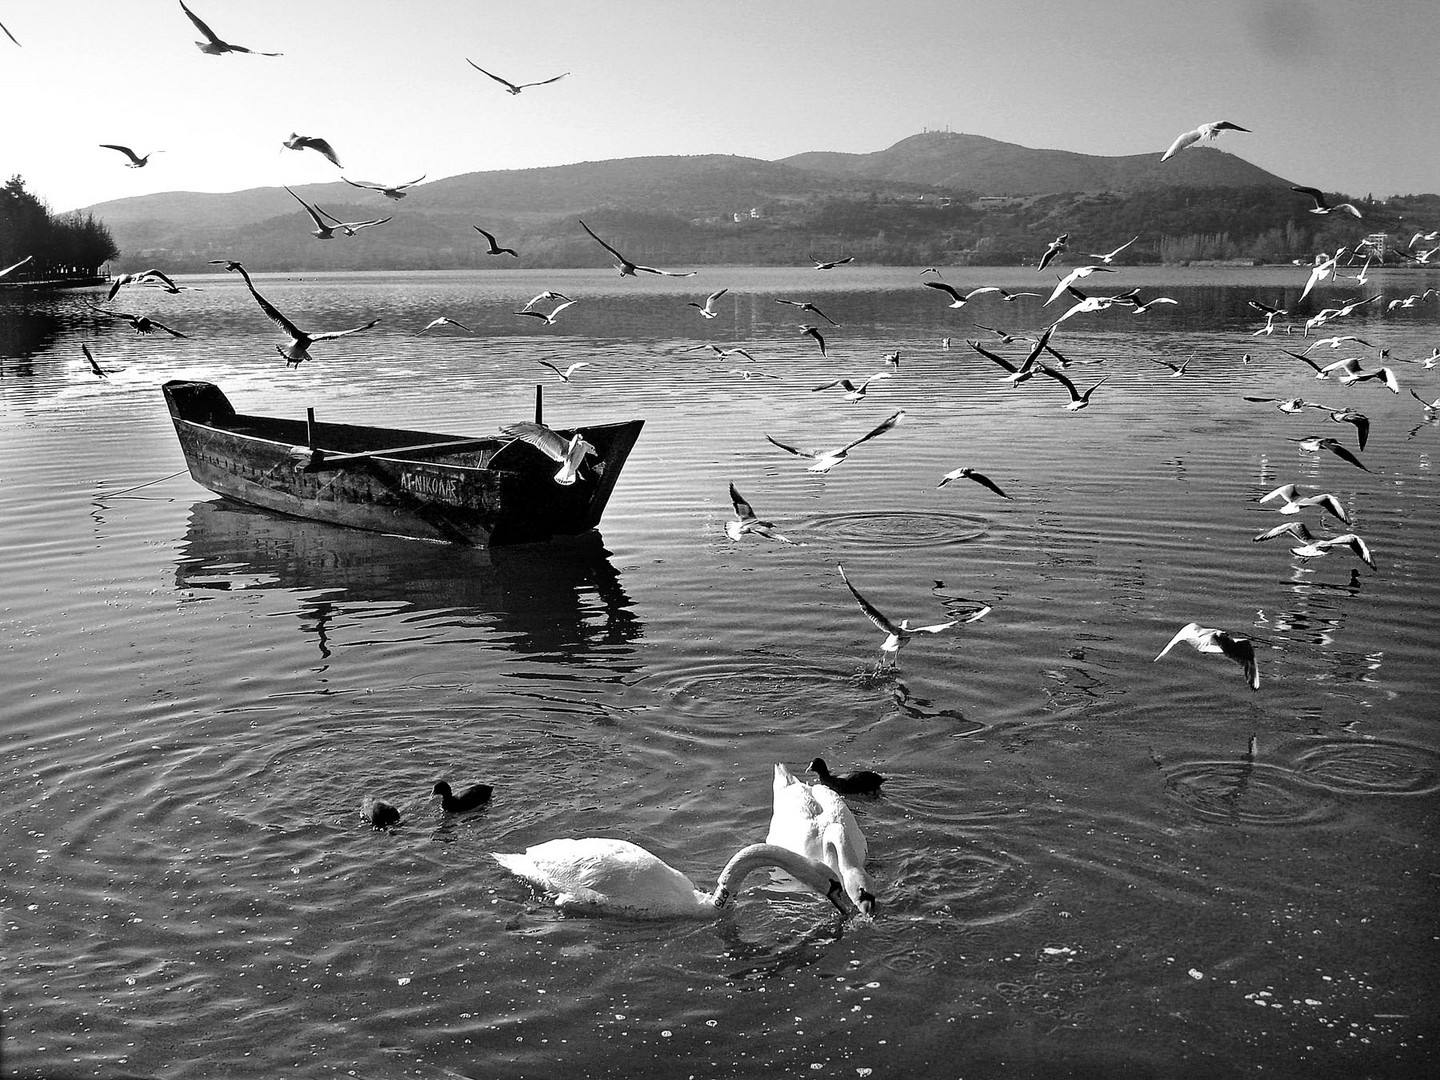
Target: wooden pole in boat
{"type": "Point", "coordinates": [538, 395]}
{"type": "Point", "coordinates": [310, 428]}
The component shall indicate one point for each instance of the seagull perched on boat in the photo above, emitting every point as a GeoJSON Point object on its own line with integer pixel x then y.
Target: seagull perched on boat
{"type": "Point", "coordinates": [1322, 206]}
{"type": "Point", "coordinates": [1078, 400]}
{"type": "Point", "coordinates": [967, 473]}
{"type": "Point", "coordinates": [853, 392]}
{"type": "Point", "coordinates": [1293, 502]}
{"type": "Point", "coordinates": [571, 452]}
{"type": "Point", "coordinates": [897, 635]}
{"type": "Point", "coordinates": [549, 320]}
{"type": "Point", "coordinates": [495, 249]}
{"type": "Point", "coordinates": [309, 142]}
{"type": "Point", "coordinates": [1109, 256]}
{"type": "Point", "coordinates": [396, 191]}
{"type": "Point", "coordinates": [805, 305]}
{"type": "Point", "coordinates": [1204, 131]}
{"type": "Point", "coordinates": [814, 332]}
{"type": "Point", "coordinates": [444, 321]}
{"type": "Point", "coordinates": [136, 161]}
{"type": "Point", "coordinates": [1315, 443]}
{"type": "Point", "coordinates": [144, 277]}
{"type": "Point", "coordinates": [142, 324]}
{"type": "Point", "coordinates": [825, 460]}
{"type": "Point", "coordinates": [297, 349]}
{"type": "Point", "coordinates": [707, 309]}
{"type": "Point", "coordinates": [746, 521]}
{"type": "Point", "coordinates": [1315, 548]}
{"type": "Point", "coordinates": [214, 46]}
{"type": "Point", "coordinates": [1052, 249]}
{"type": "Point", "coordinates": [821, 264]}
{"type": "Point", "coordinates": [564, 375]}
{"type": "Point", "coordinates": [1074, 276]}
{"type": "Point", "coordinates": [515, 88]}
{"type": "Point", "coordinates": [94, 366]}
{"type": "Point", "coordinates": [628, 268]}
{"type": "Point", "coordinates": [1212, 640]}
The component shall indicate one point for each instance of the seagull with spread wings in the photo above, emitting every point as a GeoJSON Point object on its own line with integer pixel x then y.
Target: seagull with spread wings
{"type": "Point", "coordinates": [95, 367]}
{"type": "Point", "coordinates": [495, 248]}
{"type": "Point", "coordinates": [312, 142]}
{"type": "Point", "coordinates": [805, 305]}
{"type": "Point", "coordinates": [396, 191]}
{"type": "Point", "coordinates": [142, 324]}
{"type": "Point", "coordinates": [297, 349]}
{"type": "Point", "coordinates": [821, 264]}
{"type": "Point", "coordinates": [1204, 131]}
{"type": "Point", "coordinates": [707, 309]}
{"type": "Point", "coordinates": [548, 320]}
{"type": "Point", "coordinates": [897, 635]}
{"type": "Point", "coordinates": [136, 161]}
{"type": "Point", "coordinates": [746, 521]}
{"type": "Point", "coordinates": [214, 46]}
{"type": "Point", "coordinates": [564, 375]}
{"type": "Point", "coordinates": [323, 229]}
{"type": "Point", "coordinates": [1208, 639]}
{"type": "Point", "coordinates": [967, 473]}
{"type": "Point", "coordinates": [570, 453]}
{"type": "Point", "coordinates": [1109, 256]}
{"type": "Point", "coordinates": [514, 88]}
{"type": "Point", "coordinates": [853, 392]}
{"type": "Point", "coordinates": [1078, 400]}
{"type": "Point", "coordinates": [628, 268]}
{"type": "Point", "coordinates": [825, 460]}
{"type": "Point", "coordinates": [1324, 206]}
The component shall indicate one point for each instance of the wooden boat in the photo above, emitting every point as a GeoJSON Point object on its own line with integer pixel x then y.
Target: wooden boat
{"type": "Point", "coordinates": [468, 490]}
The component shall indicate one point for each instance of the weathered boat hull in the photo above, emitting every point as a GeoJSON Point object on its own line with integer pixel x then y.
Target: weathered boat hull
{"type": "Point", "coordinates": [485, 490]}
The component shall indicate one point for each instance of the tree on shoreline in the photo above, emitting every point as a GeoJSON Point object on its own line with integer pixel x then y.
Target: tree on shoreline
{"type": "Point", "coordinates": [64, 246]}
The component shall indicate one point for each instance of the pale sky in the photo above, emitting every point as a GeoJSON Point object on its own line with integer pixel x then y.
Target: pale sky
{"type": "Point", "coordinates": [1339, 94]}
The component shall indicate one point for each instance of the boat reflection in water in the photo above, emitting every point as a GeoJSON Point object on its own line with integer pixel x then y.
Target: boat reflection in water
{"type": "Point", "coordinates": [542, 598]}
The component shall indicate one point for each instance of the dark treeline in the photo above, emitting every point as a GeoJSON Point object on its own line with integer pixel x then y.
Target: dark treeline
{"type": "Point", "coordinates": [72, 245]}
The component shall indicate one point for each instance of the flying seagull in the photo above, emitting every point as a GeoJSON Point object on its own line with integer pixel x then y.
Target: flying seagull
{"type": "Point", "coordinates": [350, 228]}
{"type": "Point", "coordinates": [1294, 502]}
{"type": "Point", "coordinates": [142, 324]}
{"type": "Point", "coordinates": [1078, 400]}
{"type": "Point", "coordinates": [1313, 548]}
{"type": "Point", "coordinates": [1075, 275]}
{"type": "Point", "coordinates": [297, 348]}
{"type": "Point", "coordinates": [212, 45]}
{"type": "Point", "coordinates": [746, 521]}
{"type": "Point", "coordinates": [897, 635]}
{"type": "Point", "coordinates": [968, 473]}
{"type": "Point", "coordinates": [805, 305]}
{"type": "Point", "coordinates": [1211, 640]}
{"type": "Point", "coordinates": [323, 230]}
{"type": "Point", "coordinates": [570, 453]}
{"type": "Point", "coordinates": [309, 142]}
{"type": "Point", "coordinates": [514, 88]}
{"type": "Point", "coordinates": [814, 332]}
{"type": "Point", "coordinates": [825, 460]}
{"type": "Point", "coordinates": [628, 268]}
{"type": "Point", "coordinates": [136, 161]}
{"type": "Point", "coordinates": [1204, 131]}
{"type": "Point", "coordinates": [1314, 444]}
{"type": "Point", "coordinates": [957, 298]}
{"type": "Point", "coordinates": [548, 294]}
{"type": "Point", "coordinates": [444, 321]}
{"type": "Point", "coordinates": [853, 392]}
{"type": "Point", "coordinates": [495, 249]}
{"type": "Point", "coordinates": [564, 375]}
{"type": "Point", "coordinates": [1052, 249]}
{"type": "Point", "coordinates": [144, 277]}
{"type": "Point", "coordinates": [95, 367]}
{"type": "Point", "coordinates": [390, 192]}
{"type": "Point", "coordinates": [1322, 206]}
{"type": "Point", "coordinates": [1109, 256]}
{"type": "Point", "coordinates": [549, 320]}
{"type": "Point", "coordinates": [707, 309]}
{"type": "Point", "coordinates": [821, 264]}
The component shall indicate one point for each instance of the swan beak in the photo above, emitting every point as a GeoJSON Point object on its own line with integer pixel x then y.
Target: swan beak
{"type": "Point", "coordinates": [868, 904]}
{"type": "Point", "coordinates": [841, 899]}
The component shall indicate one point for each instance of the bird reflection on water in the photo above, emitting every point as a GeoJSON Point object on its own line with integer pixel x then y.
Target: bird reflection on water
{"type": "Point", "coordinates": [544, 598]}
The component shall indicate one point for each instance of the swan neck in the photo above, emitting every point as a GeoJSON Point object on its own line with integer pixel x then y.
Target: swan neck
{"type": "Point", "coordinates": [747, 859]}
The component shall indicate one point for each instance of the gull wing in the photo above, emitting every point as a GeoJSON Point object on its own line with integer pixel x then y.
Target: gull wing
{"type": "Point", "coordinates": [549, 441]}
{"type": "Point", "coordinates": [200, 25]}
{"type": "Point", "coordinates": [591, 231]}
{"type": "Point", "coordinates": [874, 614]}
{"type": "Point", "coordinates": [503, 82]}
{"type": "Point", "coordinates": [1006, 364]}
{"type": "Point", "coordinates": [885, 425]}
{"type": "Point", "coordinates": [330, 335]}
{"type": "Point", "coordinates": [742, 508]}
{"type": "Point", "coordinates": [791, 449]}
{"type": "Point", "coordinates": [269, 308]}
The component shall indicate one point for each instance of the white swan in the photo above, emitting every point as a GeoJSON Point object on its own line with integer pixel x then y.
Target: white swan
{"type": "Point", "coordinates": [816, 822]}
{"type": "Point", "coordinates": [603, 876]}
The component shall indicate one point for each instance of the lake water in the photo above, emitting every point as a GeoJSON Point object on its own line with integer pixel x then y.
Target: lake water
{"type": "Point", "coordinates": [1088, 863]}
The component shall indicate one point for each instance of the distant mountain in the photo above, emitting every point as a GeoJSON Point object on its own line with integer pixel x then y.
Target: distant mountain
{"type": "Point", "coordinates": [991, 167]}
{"type": "Point", "coordinates": [703, 209]}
